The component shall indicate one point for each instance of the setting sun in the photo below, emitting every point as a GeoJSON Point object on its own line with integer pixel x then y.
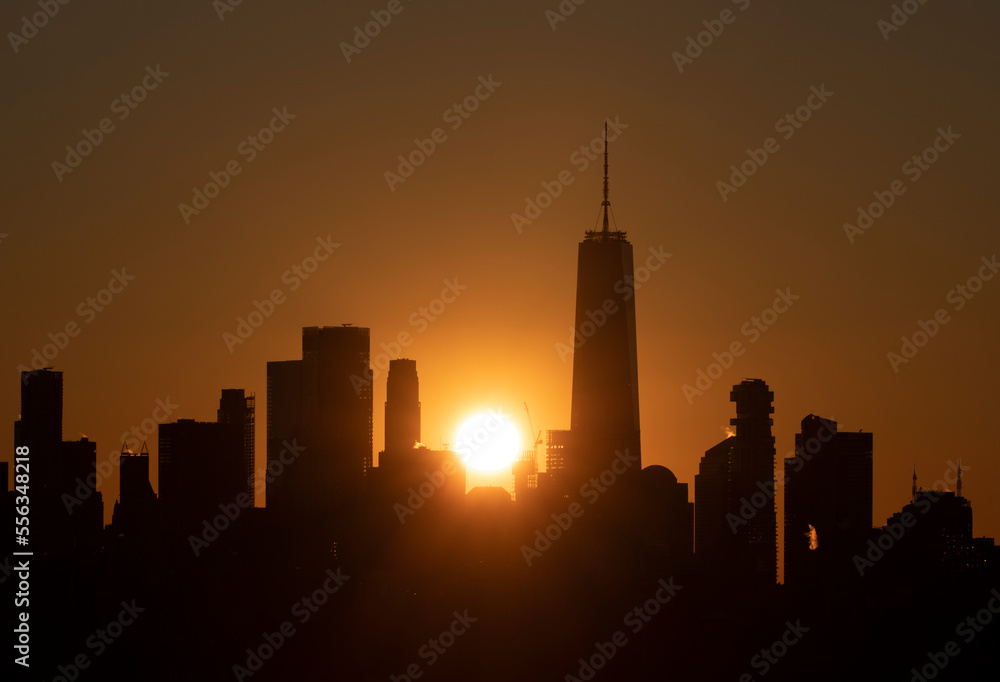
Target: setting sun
{"type": "Point", "coordinates": [488, 442]}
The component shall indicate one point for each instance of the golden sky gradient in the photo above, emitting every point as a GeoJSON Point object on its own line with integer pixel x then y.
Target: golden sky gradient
{"type": "Point", "coordinates": [323, 176]}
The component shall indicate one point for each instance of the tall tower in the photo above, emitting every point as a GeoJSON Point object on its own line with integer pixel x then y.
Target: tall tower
{"type": "Point", "coordinates": [402, 406]}
{"type": "Point", "coordinates": [605, 401]}
{"type": "Point", "coordinates": [751, 469]}
{"type": "Point", "coordinates": [235, 407]}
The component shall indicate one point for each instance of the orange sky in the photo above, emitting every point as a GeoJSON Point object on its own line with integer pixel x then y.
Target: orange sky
{"type": "Point", "coordinates": [323, 175]}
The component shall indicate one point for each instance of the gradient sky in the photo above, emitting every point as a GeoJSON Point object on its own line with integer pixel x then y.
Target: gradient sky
{"type": "Point", "coordinates": [495, 346]}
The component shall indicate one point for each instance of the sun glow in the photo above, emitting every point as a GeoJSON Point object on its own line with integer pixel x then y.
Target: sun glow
{"type": "Point", "coordinates": [488, 442]}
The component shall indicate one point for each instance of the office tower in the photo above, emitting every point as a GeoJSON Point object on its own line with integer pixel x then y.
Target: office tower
{"type": "Point", "coordinates": [713, 532]}
{"type": "Point", "coordinates": [736, 528]}
{"type": "Point", "coordinates": [605, 398]}
{"type": "Point", "coordinates": [751, 471]}
{"type": "Point", "coordinates": [284, 425]}
{"type": "Point", "coordinates": [40, 425]}
{"type": "Point", "coordinates": [668, 516]}
{"type": "Point", "coordinates": [235, 407]}
{"type": "Point", "coordinates": [135, 508]}
{"type": "Point", "coordinates": [828, 500]}
{"type": "Point", "coordinates": [77, 489]}
{"type": "Point", "coordinates": [402, 407]}
{"type": "Point", "coordinates": [200, 467]}
{"type": "Point", "coordinates": [322, 403]}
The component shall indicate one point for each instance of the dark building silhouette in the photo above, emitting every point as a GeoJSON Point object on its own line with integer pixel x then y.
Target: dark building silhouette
{"type": "Point", "coordinates": [605, 399]}
{"type": "Point", "coordinates": [734, 492]}
{"type": "Point", "coordinates": [135, 508]}
{"type": "Point", "coordinates": [77, 490]}
{"type": "Point", "coordinates": [713, 532]}
{"type": "Point", "coordinates": [40, 425]}
{"type": "Point", "coordinates": [667, 516]}
{"type": "Point", "coordinates": [200, 467]}
{"type": "Point", "coordinates": [828, 487]}
{"type": "Point", "coordinates": [324, 403]}
{"type": "Point", "coordinates": [402, 406]}
{"type": "Point", "coordinates": [235, 407]}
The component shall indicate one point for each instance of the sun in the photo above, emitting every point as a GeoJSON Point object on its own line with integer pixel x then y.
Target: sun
{"type": "Point", "coordinates": [488, 442]}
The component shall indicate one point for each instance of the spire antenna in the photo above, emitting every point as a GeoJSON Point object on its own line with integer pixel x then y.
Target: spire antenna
{"type": "Point", "coordinates": [606, 204]}
{"type": "Point", "coordinates": [913, 491]}
{"type": "Point", "coordinates": [960, 477]}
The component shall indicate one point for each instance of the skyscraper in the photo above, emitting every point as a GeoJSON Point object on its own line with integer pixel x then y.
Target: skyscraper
{"type": "Point", "coordinates": [235, 407]}
{"type": "Point", "coordinates": [828, 487]}
{"type": "Point", "coordinates": [200, 466]}
{"type": "Point", "coordinates": [323, 402]}
{"type": "Point", "coordinates": [605, 400]}
{"type": "Point", "coordinates": [402, 406]}
{"type": "Point", "coordinates": [712, 533]}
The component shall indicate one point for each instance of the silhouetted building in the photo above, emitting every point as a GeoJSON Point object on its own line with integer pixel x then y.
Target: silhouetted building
{"type": "Point", "coordinates": [77, 490]}
{"type": "Point", "coordinates": [525, 471]}
{"type": "Point", "coordinates": [135, 508]}
{"type": "Point", "coordinates": [402, 406]}
{"type": "Point", "coordinates": [605, 399]}
{"type": "Point", "coordinates": [668, 516]}
{"type": "Point", "coordinates": [713, 531]}
{"type": "Point", "coordinates": [40, 427]}
{"type": "Point", "coordinates": [828, 500]}
{"type": "Point", "coordinates": [200, 467]}
{"type": "Point", "coordinates": [325, 402]}
{"type": "Point", "coordinates": [235, 407]}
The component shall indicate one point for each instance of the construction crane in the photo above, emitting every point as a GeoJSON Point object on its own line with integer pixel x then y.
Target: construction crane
{"type": "Point", "coordinates": [525, 468]}
{"type": "Point", "coordinates": [538, 438]}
